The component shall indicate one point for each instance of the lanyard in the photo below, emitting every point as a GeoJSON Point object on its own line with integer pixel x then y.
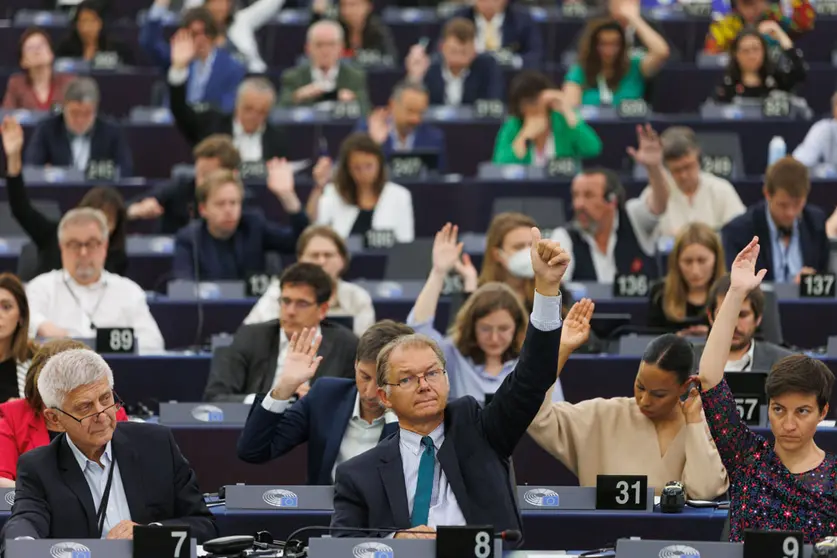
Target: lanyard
{"type": "Point", "coordinates": [605, 94]}
{"type": "Point", "coordinates": [80, 307]}
{"type": "Point", "coordinates": [103, 505]}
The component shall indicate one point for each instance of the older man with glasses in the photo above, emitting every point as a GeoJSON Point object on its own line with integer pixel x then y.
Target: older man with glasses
{"type": "Point", "coordinates": [97, 480]}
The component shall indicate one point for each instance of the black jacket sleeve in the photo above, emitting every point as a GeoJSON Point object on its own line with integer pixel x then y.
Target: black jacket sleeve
{"type": "Point", "coordinates": [40, 228]}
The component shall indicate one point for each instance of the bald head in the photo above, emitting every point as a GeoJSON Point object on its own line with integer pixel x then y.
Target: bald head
{"type": "Point", "coordinates": [324, 44]}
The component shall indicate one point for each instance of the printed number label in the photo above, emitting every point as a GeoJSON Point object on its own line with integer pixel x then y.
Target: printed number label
{"type": "Point", "coordinates": [631, 285]}
{"type": "Point", "coordinates": [121, 340]}
{"type": "Point", "coordinates": [748, 408]}
{"type": "Point", "coordinates": [819, 285]}
{"type": "Point", "coordinates": [624, 495]}
{"type": "Point", "coordinates": [181, 537]}
{"type": "Point", "coordinates": [482, 546]}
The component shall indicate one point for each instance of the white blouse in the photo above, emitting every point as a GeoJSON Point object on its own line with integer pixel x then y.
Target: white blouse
{"type": "Point", "coordinates": [393, 212]}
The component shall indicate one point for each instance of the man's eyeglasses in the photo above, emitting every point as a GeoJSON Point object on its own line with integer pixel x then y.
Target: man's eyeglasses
{"type": "Point", "coordinates": [86, 420]}
{"type": "Point", "coordinates": [411, 383]}
{"type": "Point", "coordinates": [90, 245]}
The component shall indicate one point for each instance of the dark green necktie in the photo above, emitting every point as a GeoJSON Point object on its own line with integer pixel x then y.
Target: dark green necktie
{"type": "Point", "coordinates": [424, 485]}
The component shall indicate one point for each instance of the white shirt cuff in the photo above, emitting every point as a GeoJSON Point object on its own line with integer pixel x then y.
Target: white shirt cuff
{"type": "Point", "coordinates": [157, 12]}
{"type": "Point", "coordinates": [248, 399]}
{"type": "Point", "coordinates": [275, 405]}
{"type": "Point", "coordinates": [178, 76]}
{"type": "Point", "coordinates": [546, 312]}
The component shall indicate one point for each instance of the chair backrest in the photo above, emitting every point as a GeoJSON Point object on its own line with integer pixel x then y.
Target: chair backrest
{"type": "Point", "coordinates": [9, 225]}
{"type": "Point", "coordinates": [548, 213]}
{"type": "Point", "coordinates": [27, 262]}
{"type": "Point", "coordinates": [409, 261]}
{"type": "Point", "coordinates": [771, 325]}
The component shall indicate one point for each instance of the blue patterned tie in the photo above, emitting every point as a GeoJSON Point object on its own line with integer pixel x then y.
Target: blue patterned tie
{"type": "Point", "coordinates": [424, 486]}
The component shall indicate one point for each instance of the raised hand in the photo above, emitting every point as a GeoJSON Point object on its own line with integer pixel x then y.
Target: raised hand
{"type": "Point", "coordinates": [417, 63]}
{"type": "Point", "coordinates": [692, 407]}
{"type": "Point", "coordinates": [650, 152]}
{"type": "Point", "coordinates": [12, 137]}
{"type": "Point", "coordinates": [469, 274]}
{"type": "Point", "coordinates": [576, 329]}
{"type": "Point", "coordinates": [446, 250]}
{"type": "Point", "coordinates": [628, 9]}
{"type": "Point", "coordinates": [300, 365]}
{"type": "Point", "coordinates": [378, 125]}
{"type": "Point", "coordinates": [182, 49]}
{"type": "Point", "coordinates": [743, 275]}
{"type": "Point", "coordinates": [322, 171]}
{"type": "Point", "coordinates": [280, 177]}
{"type": "Point", "coordinates": [550, 262]}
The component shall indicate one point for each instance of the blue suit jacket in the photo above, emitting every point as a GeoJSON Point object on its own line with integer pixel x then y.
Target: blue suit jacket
{"type": "Point", "coordinates": [255, 235]}
{"type": "Point", "coordinates": [50, 145]}
{"type": "Point", "coordinates": [485, 81]}
{"type": "Point", "coordinates": [521, 35]}
{"type": "Point", "coordinates": [320, 418]}
{"type": "Point", "coordinates": [426, 137]}
{"type": "Point", "coordinates": [812, 238]}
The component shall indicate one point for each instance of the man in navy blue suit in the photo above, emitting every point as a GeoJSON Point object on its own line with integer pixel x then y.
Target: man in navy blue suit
{"type": "Point", "coordinates": [459, 76]}
{"type": "Point", "coordinates": [400, 127]}
{"type": "Point", "coordinates": [500, 28]}
{"type": "Point", "coordinates": [339, 418]}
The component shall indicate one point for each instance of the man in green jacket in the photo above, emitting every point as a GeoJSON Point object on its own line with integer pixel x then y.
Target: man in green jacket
{"type": "Point", "coordinates": [324, 77]}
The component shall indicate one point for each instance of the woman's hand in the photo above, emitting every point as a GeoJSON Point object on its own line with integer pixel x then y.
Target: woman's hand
{"type": "Point", "coordinates": [322, 172]}
{"type": "Point", "coordinates": [773, 30]}
{"type": "Point", "coordinates": [576, 329]}
{"type": "Point", "coordinates": [534, 126]}
{"type": "Point", "coordinates": [692, 407]}
{"type": "Point", "coordinates": [743, 276]}
{"type": "Point", "coordinates": [446, 250]}
{"type": "Point", "coordinates": [469, 274]}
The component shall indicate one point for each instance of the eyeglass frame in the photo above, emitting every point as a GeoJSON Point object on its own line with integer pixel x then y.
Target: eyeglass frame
{"type": "Point", "coordinates": [418, 377]}
{"type": "Point", "coordinates": [117, 402]}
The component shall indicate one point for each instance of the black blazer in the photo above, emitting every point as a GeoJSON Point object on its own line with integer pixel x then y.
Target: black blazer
{"type": "Point", "coordinates": [484, 81]}
{"type": "Point", "coordinates": [249, 364]}
{"type": "Point", "coordinates": [50, 145]}
{"type": "Point", "coordinates": [53, 499]}
{"type": "Point", "coordinates": [320, 419]}
{"type": "Point", "coordinates": [812, 238]}
{"type": "Point", "coordinates": [195, 126]}
{"type": "Point", "coordinates": [369, 490]}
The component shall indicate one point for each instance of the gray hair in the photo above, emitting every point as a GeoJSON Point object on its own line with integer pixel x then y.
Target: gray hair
{"type": "Point", "coordinates": [407, 85]}
{"type": "Point", "coordinates": [322, 24]}
{"type": "Point", "coordinates": [82, 216]}
{"type": "Point", "coordinates": [256, 85]}
{"type": "Point", "coordinates": [413, 341]}
{"type": "Point", "coordinates": [70, 370]}
{"type": "Point", "coordinates": [82, 90]}
{"type": "Point", "coordinates": [678, 141]}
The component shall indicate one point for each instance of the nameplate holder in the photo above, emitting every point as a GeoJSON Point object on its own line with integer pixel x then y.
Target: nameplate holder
{"type": "Point", "coordinates": [574, 10]}
{"type": "Point", "coordinates": [257, 284]}
{"type": "Point", "coordinates": [252, 170]}
{"type": "Point", "coordinates": [817, 285]}
{"type": "Point", "coordinates": [277, 498]}
{"type": "Point", "coordinates": [77, 548]}
{"type": "Point", "coordinates": [406, 166]}
{"type": "Point", "coordinates": [163, 541]}
{"type": "Point", "coordinates": [349, 110]}
{"type": "Point", "coordinates": [101, 170]}
{"type": "Point", "coordinates": [749, 408]}
{"type": "Point", "coordinates": [623, 492]}
{"type": "Point", "coordinates": [562, 167]}
{"type": "Point", "coordinates": [379, 239]}
{"type": "Point", "coordinates": [7, 499]}
{"type": "Point", "coordinates": [631, 285]}
{"type": "Point", "coordinates": [719, 165]}
{"type": "Point", "coordinates": [116, 340]}
{"type": "Point", "coordinates": [697, 9]}
{"type": "Point", "coordinates": [204, 414]}
{"type": "Point", "coordinates": [333, 547]}
{"type": "Point", "coordinates": [468, 541]}
{"type": "Point", "coordinates": [488, 108]}
{"type": "Point", "coordinates": [632, 109]}
{"type": "Point", "coordinates": [773, 544]}
{"type": "Point", "coordinates": [776, 106]}
{"type": "Point", "coordinates": [105, 60]}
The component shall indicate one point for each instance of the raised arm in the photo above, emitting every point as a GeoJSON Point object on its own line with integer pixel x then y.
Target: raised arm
{"type": "Point", "coordinates": [650, 155]}
{"type": "Point", "coordinates": [743, 279]}
{"type": "Point", "coordinates": [575, 331]}
{"type": "Point", "coordinates": [658, 49]}
{"type": "Point", "coordinates": [446, 252]}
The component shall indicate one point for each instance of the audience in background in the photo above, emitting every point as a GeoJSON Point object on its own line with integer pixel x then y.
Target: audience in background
{"type": "Point", "coordinates": [255, 360]}
{"type": "Point", "coordinates": [459, 76]}
{"type": "Point", "coordinates": [22, 425]}
{"type": "Point", "coordinates": [693, 194]}
{"type": "Point", "coordinates": [322, 246]}
{"type": "Point", "coordinates": [760, 13]}
{"type": "Point", "coordinates": [339, 419]}
{"type": "Point", "coordinates": [15, 348]}
{"type": "Point", "coordinates": [820, 144]}
{"type": "Point", "coordinates": [504, 29]}
{"type": "Point", "coordinates": [81, 297]}
{"type": "Point", "coordinates": [484, 342]}
{"type": "Point", "coordinates": [363, 30]}
{"type": "Point", "coordinates": [253, 135]}
{"type": "Point", "coordinates": [610, 236]}
{"type": "Point", "coordinates": [213, 73]}
{"type": "Point", "coordinates": [792, 231]}
{"type": "Point", "coordinates": [175, 202]}
{"type": "Point", "coordinates": [80, 136]}
{"type": "Point", "coordinates": [678, 302]}
{"type": "Point", "coordinates": [607, 72]}
{"type": "Point", "coordinates": [38, 86]}
{"type": "Point", "coordinates": [751, 73]}
{"type": "Point", "coordinates": [361, 199]}
{"type": "Point", "coordinates": [542, 125]}
{"type": "Point", "coordinates": [229, 244]}
{"type": "Point", "coordinates": [652, 433]}
{"type": "Point", "coordinates": [42, 229]}
{"type": "Point", "coordinates": [746, 354]}
{"type": "Point", "coordinates": [400, 127]}
{"type": "Point", "coordinates": [323, 77]}
{"type": "Point", "coordinates": [89, 38]}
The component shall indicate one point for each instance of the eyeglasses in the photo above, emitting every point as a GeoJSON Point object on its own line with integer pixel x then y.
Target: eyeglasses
{"type": "Point", "coordinates": [490, 330]}
{"type": "Point", "coordinates": [86, 420]}
{"type": "Point", "coordinates": [90, 245]}
{"type": "Point", "coordinates": [411, 383]}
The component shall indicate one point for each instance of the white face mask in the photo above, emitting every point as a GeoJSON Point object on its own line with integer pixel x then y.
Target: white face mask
{"type": "Point", "coordinates": [519, 264]}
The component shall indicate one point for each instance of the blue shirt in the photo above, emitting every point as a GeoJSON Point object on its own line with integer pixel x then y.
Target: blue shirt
{"type": "Point", "coordinates": [787, 260]}
{"type": "Point", "coordinates": [97, 479]}
{"type": "Point", "coordinates": [199, 73]}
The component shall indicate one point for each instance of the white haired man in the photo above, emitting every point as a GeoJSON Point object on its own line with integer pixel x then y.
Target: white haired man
{"type": "Point", "coordinates": [82, 296]}
{"type": "Point", "coordinates": [97, 480]}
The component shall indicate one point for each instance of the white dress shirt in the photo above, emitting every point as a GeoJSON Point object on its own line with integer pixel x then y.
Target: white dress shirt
{"type": "Point", "coordinates": [249, 145]}
{"type": "Point", "coordinates": [360, 436]}
{"type": "Point", "coordinates": [454, 85]}
{"type": "Point", "coordinates": [80, 150]}
{"type": "Point", "coordinates": [644, 224]}
{"type": "Point", "coordinates": [97, 479]}
{"type": "Point", "coordinates": [326, 80]}
{"type": "Point", "coordinates": [819, 145]}
{"type": "Point", "coordinates": [112, 301]}
{"type": "Point", "coordinates": [483, 26]}
{"type": "Point", "coordinates": [745, 363]}
{"type": "Point", "coordinates": [393, 212]}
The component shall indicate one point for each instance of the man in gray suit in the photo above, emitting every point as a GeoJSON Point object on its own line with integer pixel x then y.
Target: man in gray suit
{"type": "Point", "coordinates": [746, 354]}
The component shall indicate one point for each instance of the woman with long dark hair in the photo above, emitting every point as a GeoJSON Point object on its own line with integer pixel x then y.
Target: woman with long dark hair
{"type": "Point", "coordinates": [88, 36]}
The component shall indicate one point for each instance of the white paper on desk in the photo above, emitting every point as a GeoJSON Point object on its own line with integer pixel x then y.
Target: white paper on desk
{"type": "Point", "coordinates": [297, 166]}
{"type": "Point", "coordinates": [656, 500]}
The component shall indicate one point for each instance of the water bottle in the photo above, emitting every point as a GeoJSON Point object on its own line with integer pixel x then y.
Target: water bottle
{"type": "Point", "coordinates": [776, 150]}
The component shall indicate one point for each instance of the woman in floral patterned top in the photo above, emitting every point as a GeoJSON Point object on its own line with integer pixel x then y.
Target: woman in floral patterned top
{"type": "Point", "coordinates": [788, 484]}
